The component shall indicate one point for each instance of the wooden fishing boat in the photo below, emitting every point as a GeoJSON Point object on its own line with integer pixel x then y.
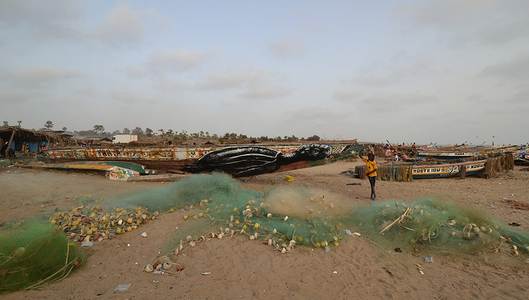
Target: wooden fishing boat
{"type": "Point", "coordinates": [113, 171]}
{"type": "Point", "coordinates": [185, 159]}
{"type": "Point", "coordinates": [409, 172]}
{"type": "Point", "coordinates": [466, 153]}
{"type": "Point", "coordinates": [448, 170]}
{"type": "Point", "coordinates": [522, 158]}
{"type": "Point", "coordinates": [448, 155]}
{"type": "Point", "coordinates": [521, 161]}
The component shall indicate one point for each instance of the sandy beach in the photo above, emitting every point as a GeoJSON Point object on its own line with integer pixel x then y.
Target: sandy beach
{"type": "Point", "coordinates": [238, 268]}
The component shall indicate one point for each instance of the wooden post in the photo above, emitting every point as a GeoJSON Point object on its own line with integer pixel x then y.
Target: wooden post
{"type": "Point", "coordinates": [486, 171]}
{"type": "Point", "coordinates": [463, 171]}
{"type": "Point", "coordinates": [10, 141]}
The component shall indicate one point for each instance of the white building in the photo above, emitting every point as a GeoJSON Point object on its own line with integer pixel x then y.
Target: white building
{"type": "Point", "coordinates": [124, 138]}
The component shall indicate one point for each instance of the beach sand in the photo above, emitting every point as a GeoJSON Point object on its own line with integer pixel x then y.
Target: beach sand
{"type": "Point", "coordinates": [243, 269]}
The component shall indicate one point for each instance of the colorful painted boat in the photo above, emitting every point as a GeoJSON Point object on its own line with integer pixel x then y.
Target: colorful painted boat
{"type": "Point", "coordinates": [448, 155]}
{"type": "Point", "coordinates": [522, 157]}
{"type": "Point", "coordinates": [467, 153]}
{"type": "Point", "coordinates": [409, 172]}
{"type": "Point", "coordinates": [111, 171]}
{"type": "Point", "coordinates": [447, 170]}
{"type": "Point", "coordinates": [177, 159]}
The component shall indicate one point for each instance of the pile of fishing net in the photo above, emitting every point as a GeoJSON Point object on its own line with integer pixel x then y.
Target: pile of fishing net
{"type": "Point", "coordinates": [433, 225]}
{"type": "Point", "coordinates": [219, 206]}
{"type": "Point", "coordinates": [34, 253]}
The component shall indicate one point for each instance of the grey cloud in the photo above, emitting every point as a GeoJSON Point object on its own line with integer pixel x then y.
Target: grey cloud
{"type": "Point", "coordinates": [132, 97]}
{"type": "Point", "coordinates": [508, 31]}
{"type": "Point", "coordinates": [265, 92]}
{"type": "Point", "coordinates": [321, 120]}
{"type": "Point", "coordinates": [231, 80]}
{"type": "Point", "coordinates": [517, 69]}
{"type": "Point", "coordinates": [36, 77]}
{"type": "Point", "coordinates": [520, 97]}
{"type": "Point", "coordinates": [65, 19]}
{"type": "Point", "coordinates": [39, 14]}
{"type": "Point", "coordinates": [287, 49]}
{"type": "Point", "coordinates": [514, 113]}
{"type": "Point", "coordinates": [252, 84]}
{"type": "Point", "coordinates": [177, 60]}
{"type": "Point", "coordinates": [317, 114]}
{"type": "Point", "coordinates": [388, 80]}
{"type": "Point", "coordinates": [484, 22]}
{"type": "Point", "coordinates": [173, 86]}
{"type": "Point", "coordinates": [396, 102]}
{"type": "Point", "coordinates": [442, 13]}
{"type": "Point", "coordinates": [33, 84]}
{"type": "Point", "coordinates": [475, 98]}
{"type": "Point", "coordinates": [10, 97]}
{"type": "Point", "coordinates": [166, 62]}
{"type": "Point", "coordinates": [42, 19]}
{"type": "Point", "coordinates": [346, 96]}
{"type": "Point", "coordinates": [122, 25]}
{"type": "Point", "coordinates": [391, 73]}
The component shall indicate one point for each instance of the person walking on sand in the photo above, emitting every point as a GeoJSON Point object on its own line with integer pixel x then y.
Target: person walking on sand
{"type": "Point", "coordinates": [371, 172]}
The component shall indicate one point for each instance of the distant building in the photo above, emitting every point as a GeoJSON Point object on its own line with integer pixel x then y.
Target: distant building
{"type": "Point", "coordinates": [124, 138]}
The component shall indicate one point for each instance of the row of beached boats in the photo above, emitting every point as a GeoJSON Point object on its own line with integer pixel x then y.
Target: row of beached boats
{"type": "Point", "coordinates": [445, 163]}
{"type": "Point", "coordinates": [249, 160]}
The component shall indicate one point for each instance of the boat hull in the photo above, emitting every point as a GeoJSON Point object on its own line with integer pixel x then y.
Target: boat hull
{"type": "Point", "coordinates": [447, 170]}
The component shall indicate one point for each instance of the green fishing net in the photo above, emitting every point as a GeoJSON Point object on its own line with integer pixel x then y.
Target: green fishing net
{"type": "Point", "coordinates": [433, 225]}
{"type": "Point", "coordinates": [222, 203]}
{"type": "Point", "coordinates": [34, 253]}
{"type": "Point", "coordinates": [320, 219]}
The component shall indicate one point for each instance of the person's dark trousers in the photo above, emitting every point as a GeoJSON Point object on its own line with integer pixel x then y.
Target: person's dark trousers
{"type": "Point", "coordinates": [372, 181]}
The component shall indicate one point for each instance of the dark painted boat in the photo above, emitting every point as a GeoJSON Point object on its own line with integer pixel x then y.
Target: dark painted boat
{"type": "Point", "coordinates": [240, 160]}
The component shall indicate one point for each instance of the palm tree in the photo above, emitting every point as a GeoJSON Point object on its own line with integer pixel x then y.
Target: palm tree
{"type": "Point", "coordinates": [99, 129]}
{"type": "Point", "coordinates": [137, 131]}
{"type": "Point", "coordinates": [49, 124]}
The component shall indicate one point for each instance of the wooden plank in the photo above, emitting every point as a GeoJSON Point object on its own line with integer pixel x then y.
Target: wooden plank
{"type": "Point", "coordinates": [158, 178]}
{"type": "Point", "coordinates": [10, 141]}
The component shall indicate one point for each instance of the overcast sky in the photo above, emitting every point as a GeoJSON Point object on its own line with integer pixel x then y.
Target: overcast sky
{"type": "Point", "coordinates": [444, 71]}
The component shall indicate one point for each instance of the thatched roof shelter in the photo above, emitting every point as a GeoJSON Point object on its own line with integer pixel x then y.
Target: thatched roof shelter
{"type": "Point", "coordinates": [14, 139]}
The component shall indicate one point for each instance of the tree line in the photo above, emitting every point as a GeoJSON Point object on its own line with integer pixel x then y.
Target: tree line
{"type": "Point", "coordinates": [178, 136]}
